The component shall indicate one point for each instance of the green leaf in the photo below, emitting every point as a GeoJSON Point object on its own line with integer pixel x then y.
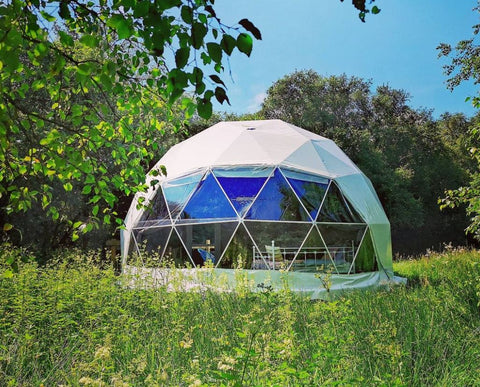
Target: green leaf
{"type": "Point", "coordinates": [221, 95]}
{"type": "Point", "coordinates": [47, 16]}
{"type": "Point", "coordinates": [87, 189]}
{"type": "Point", "coordinates": [215, 78]}
{"type": "Point", "coordinates": [141, 8]}
{"type": "Point", "coordinates": [250, 27]}
{"type": "Point", "coordinates": [375, 10]}
{"type": "Point", "coordinates": [181, 57]}
{"type": "Point", "coordinates": [7, 227]}
{"type": "Point", "coordinates": [204, 108]}
{"type": "Point", "coordinates": [121, 25]}
{"type": "Point", "coordinates": [215, 52]}
{"type": "Point", "coordinates": [187, 14]}
{"type": "Point", "coordinates": [89, 40]}
{"type": "Point", "coordinates": [64, 12]}
{"type": "Point", "coordinates": [65, 39]}
{"type": "Point", "coordinates": [245, 43]}
{"type": "Point", "coordinates": [228, 43]}
{"type": "Point", "coordinates": [198, 33]}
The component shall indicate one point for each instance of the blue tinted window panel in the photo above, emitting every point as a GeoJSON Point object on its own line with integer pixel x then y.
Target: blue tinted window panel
{"type": "Point", "coordinates": [208, 202]}
{"type": "Point", "coordinates": [310, 193]}
{"type": "Point", "coordinates": [241, 190]}
{"type": "Point", "coordinates": [178, 191]}
{"type": "Point", "coordinates": [277, 201]}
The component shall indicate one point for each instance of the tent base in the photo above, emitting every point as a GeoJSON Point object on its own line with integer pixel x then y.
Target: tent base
{"type": "Point", "coordinates": [313, 285]}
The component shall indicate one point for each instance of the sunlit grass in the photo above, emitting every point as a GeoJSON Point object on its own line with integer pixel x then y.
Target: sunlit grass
{"type": "Point", "coordinates": [75, 323]}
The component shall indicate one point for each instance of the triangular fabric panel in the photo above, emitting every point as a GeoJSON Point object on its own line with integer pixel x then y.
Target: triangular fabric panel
{"type": "Point", "coordinates": [336, 165]}
{"type": "Point", "coordinates": [208, 202]}
{"type": "Point", "coordinates": [277, 201]}
{"type": "Point", "coordinates": [175, 253]}
{"type": "Point", "coordinates": [307, 158]}
{"type": "Point", "coordinates": [206, 241]}
{"type": "Point", "coordinates": [241, 190]}
{"type": "Point", "coordinates": [336, 209]}
{"type": "Point", "coordinates": [178, 191]}
{"type": "Point", "coordinates": [245, 148]}
{"type": "Point", "coordinates": [239, 253]}
{"type": "Point", "coordinates": [342, 241]}
{"type": "Point", "coordinates": [310, 189]}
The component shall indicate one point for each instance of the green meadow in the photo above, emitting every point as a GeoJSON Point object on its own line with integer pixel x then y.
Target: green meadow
{"type": "Point", "coordinates": [75, 323]}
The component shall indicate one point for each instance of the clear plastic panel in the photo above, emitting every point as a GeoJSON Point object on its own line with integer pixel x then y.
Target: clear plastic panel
{"type": "Point", "coordinates": [175, 253]}
{"type": "Point", "coordinates": [151, 242]}
{"type": "Point", "coordinates": [206, 241]}
{"type": "Point", "coordinates": [309, 188]}
{"type": "Point", "coordinates": [155, 214]}
{"type": "Point", "coordinates": [208, 202]}
{"type": "Point", "coordinates": [366, 259]}
{"type": "Point", "coordinates": [177, 192]}
{"type": "Point", "coordinates": [342, 241]}
{"type": "Point", "coordinates": [336, 209]}
{"type": "Point", "coordinates": [277, 201]}
{"type": "Point", "coordinates": [287, 237]}
{"type": "Point", "coordinates": [313, 256]}
{"type": "Point", "coordinates": [250, 171]}
{"type": "Point", "coordinates": [239, 253]}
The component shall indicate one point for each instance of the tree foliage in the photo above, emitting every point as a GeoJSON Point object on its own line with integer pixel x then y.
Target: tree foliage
{"type": "Point", "coordinates": [87, 89]}
{"type": "Point", "coordinates": [465, 66]}
{"type": "Point", "coordinates": [410, 157]}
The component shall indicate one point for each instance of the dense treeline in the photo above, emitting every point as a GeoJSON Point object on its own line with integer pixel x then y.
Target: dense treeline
{"type": "Point", "coordinates": [410, 156]}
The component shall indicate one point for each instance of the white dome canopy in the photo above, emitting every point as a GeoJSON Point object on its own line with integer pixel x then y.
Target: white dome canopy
{"type": "Point", "coordinates": [199, 199]}
{"type": "Point", "coordinates": [268, 142]}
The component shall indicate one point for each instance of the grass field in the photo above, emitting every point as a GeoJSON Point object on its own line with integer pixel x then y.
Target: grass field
{"type": "Point", "coordinates": [73, 323]}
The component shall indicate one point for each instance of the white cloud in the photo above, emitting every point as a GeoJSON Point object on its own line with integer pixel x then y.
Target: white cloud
{"type": "Point", "coordinates": [256, 102]}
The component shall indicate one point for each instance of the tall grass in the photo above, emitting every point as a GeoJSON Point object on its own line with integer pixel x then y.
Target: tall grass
{"type": "Point", "coordinates": [75, 323]}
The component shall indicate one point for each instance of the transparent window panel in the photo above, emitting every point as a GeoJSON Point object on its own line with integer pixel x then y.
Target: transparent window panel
{"type": "Point", "coordinates": [206, 241]}
{"type": "Point", "coordinates": [336, 209]}
{"type": "Point", "coordinates": [178, 191]}
{"type": "Point", "coordinates": [366, 259]}
{"type": "Point", "coordinates": [175, 253]}
{"type": "Point", "coordinates": [287, 237]}
{"type": "Point", "coordinates": [151, 242]}
{"type": "Point", "coordinates": [239, 253]}
{"type": "Point", "coordinates": [313, 256]}
{"type": "Point", "coordinates": [155, 214]}
{"type": "Point", "coordinates": [342, 241]}
{"type": "Point", "coordinates": [277, 201]}
{"type": "Point", "coordinates": [309, 188]}
{"type": "Point", "coordinates": [208, 202]}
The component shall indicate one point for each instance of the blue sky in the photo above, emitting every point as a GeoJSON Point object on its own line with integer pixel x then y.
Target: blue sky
{"type": "Point", "coordinates": [396, 47]}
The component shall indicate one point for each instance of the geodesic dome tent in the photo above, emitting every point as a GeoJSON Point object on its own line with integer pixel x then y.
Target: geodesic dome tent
{"type": "Point", "coordinates": [262, 195]}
